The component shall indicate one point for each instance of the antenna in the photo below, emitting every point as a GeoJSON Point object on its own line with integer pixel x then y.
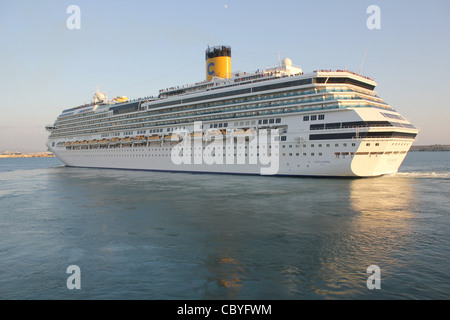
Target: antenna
{"type": "Point", "coordinates": [364, 59]}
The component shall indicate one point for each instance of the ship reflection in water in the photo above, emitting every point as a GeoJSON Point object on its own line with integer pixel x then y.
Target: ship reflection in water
{"type": "Point", "coordinates": [320, 254]}
{"type": "Point", "coordinates": [227, 272]}
{"type": "Point", "coordinates": [329, 254]}
{"type": "Point", "coordinates": [379, 232]}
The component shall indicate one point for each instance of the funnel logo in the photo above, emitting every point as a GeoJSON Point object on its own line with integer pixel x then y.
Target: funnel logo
{"type": "Point", "coordinates": [211, 64]}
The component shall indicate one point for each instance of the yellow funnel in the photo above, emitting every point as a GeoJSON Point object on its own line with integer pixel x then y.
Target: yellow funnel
{"type": "Point", "coordinates": [218, 62]}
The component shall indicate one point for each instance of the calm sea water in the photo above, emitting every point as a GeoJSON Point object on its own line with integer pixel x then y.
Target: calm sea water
{"type": "Point", "coordinates": [151, 235]}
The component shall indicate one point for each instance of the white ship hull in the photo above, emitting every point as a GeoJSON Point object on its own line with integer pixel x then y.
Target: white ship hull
{"type": "Point", "coordinates": [273, 122]}
{"type": "Point", "coordinates": [141, 159]}
{"type": "Point", "coordinates": [296, 156]}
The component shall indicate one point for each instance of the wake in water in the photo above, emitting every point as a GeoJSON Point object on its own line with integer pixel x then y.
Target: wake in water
{"type": "Point", "coordinates": [424, 175]}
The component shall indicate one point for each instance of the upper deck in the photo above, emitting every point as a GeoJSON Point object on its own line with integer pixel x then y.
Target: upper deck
{"type": "Point", "coordinates": [278, 90]}
{"type": "Point", "coordinates": [283, 76]}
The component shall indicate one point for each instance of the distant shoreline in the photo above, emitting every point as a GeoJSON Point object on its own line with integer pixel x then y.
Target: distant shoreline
{"type": "Point", "coordinates": [29, 155]}
{"type": "Point", "coordinates": [434, 147]}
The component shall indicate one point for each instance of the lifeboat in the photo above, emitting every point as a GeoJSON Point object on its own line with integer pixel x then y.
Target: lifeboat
{"type": "Point", "coordinates": [103, 142]}
{"type": "Point", "coordinates": [197, 135]}
{"type": "Point", "coordinates": [215, 134]}
{"type": "Point", "coordinates": [247, 134]}
{"type": "Point", "coordinates": [172, 137]}
{"type": "Point", "coordinates": [84, 144]}
{"type": "Point", "coordinates": [243, 132]}
{"type": "Point", "coordinates": [140, 140]}
{"type": "Point", "coordinates": [126, 140]}
{"type": "Point", "coordinates": [154, 139]}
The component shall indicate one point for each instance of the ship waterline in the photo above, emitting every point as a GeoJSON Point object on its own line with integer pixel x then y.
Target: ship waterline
{"type": "Point", "coordinates": [279, 121]}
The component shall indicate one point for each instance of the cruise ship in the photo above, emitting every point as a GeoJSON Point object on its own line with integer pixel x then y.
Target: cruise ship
{"type": "Point", "coordinates": [273, 121]}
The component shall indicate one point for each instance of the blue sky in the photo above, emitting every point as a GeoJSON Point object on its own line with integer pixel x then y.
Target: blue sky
{"type": "Point", "coordinates": [135, 48]}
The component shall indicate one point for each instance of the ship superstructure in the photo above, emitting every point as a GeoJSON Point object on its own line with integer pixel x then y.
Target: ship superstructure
{"type": "Point", "coordinates": [277, 121]}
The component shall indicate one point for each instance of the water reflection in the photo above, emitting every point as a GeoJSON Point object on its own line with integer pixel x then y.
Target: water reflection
{"type": "Point", "coordinates": [227, 273]}
{"type": "Point", "coordinates": [387, 197]}
{"type": "Point", "coordinates": [249, 237]}
{"type": "Point", "coordinates": [378, 232]}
